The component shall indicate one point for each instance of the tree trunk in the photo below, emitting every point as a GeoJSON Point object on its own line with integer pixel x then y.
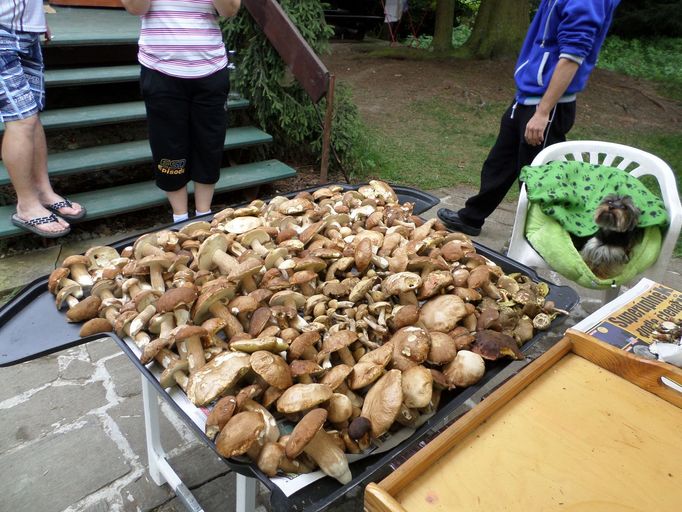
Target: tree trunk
{"type": "Point", "coordinates": [442, 33]}
{"type": "Point", "coordinates": [499, 29]}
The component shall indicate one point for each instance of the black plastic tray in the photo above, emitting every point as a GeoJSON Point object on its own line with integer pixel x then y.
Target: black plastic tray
{"type": "Point", "coordinates": [31, 327]}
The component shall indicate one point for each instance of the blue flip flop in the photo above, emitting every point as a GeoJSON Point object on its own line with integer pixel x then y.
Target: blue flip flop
{"type": "Point", "coordinates": [31, 225]}
{"type": "Point", "coordinates": [55, 207]}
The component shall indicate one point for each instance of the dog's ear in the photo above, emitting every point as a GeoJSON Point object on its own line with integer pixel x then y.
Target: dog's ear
{"type": "Point", "coordinates": [633, 213]}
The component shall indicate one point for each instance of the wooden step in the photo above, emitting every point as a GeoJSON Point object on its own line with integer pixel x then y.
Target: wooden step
{"type": "Point", "coordinates": [130, 153]}
{"type": "Point", "coordinates": [74, 26]}
{"type": "Point", "coordinates": [141, 195]}
{"type": "Point", "coordinates": [97, 115]}
{"type": "Point", "coordinates": [90, 76]}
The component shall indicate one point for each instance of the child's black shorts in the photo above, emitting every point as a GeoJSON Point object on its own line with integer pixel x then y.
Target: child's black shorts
{"type": "Point", "coordinates": [187, 120]}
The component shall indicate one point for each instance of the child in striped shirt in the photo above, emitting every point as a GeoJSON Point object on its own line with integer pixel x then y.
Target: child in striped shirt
{"type": "Point", "coordinates": [184, 82]}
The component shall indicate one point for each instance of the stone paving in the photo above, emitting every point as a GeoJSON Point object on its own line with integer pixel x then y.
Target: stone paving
{"type": "Point", "coordinates": [72, 432]}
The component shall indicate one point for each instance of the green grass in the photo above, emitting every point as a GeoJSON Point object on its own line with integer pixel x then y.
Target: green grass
{"type": "Point", "coordinates": [432, 145]}
{"type": "Point", "coordinates": [659, 60]}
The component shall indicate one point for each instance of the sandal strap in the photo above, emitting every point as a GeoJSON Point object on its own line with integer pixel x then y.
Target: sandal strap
{"type": "Point", "coordinates": [42, 220]}
{"type": "Point", "coordinates": [59, 205]}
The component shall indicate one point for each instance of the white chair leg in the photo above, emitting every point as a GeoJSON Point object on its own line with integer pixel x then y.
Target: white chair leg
{"type": "Point", "coordinates": [159, 469]}
{"type": "Point", "coordinates": [246, 493]}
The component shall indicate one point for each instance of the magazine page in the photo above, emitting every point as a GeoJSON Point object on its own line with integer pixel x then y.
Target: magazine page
{"type": "Point", "coordinates": [631, 319]}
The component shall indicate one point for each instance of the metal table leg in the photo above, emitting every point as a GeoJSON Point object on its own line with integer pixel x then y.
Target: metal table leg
{"type": "Point", "coordinates": [161, 472]}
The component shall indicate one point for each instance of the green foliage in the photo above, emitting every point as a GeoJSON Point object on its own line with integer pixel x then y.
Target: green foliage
{"type": "Point", "coordinates": [460, 34]}
{"type": "Point", "coordinates": [279, 103]}
{"type": "Point", "coordinates": [656, 59]}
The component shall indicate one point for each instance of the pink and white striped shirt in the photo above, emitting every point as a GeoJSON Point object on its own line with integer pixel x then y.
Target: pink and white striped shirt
{"type": "Point", "coordinates": [182, 38]}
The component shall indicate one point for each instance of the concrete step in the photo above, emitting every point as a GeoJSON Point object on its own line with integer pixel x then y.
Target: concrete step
{"type": "Point", "coordinates": [110, 156]}
{"type": "Point", "coordinates": [97, 115]}
{"type": "Point", "coordinates": [138, 196]}
{"type": "Point", "coordinates": [90, 76]}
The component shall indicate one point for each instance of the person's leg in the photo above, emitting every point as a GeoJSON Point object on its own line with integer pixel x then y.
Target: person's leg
{"type": "Point", "coordinates": [208, 122]}
{"type": "Point", "coordinates": [167, 108]}
{"type": "Point", "coordinates": [497, 176]}
{"type": "Point", "coordinates": [20, 101]}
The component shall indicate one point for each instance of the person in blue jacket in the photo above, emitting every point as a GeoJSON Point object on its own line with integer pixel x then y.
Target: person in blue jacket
{"type": "Point", "coordinates": [557, 57]}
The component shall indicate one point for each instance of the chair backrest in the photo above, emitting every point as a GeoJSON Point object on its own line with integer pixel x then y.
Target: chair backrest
{"type": "Point", "coordinates": [638, 163]}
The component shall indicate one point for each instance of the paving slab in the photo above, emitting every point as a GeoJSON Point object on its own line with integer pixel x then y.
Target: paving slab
{"type": "Point", "coordinates": [21, 378]}
{"type": "Point", "coordinates": [125, 377]}
{"type": "Point", "coordinates": [48, 410]}
{"type": "Point", "coordinates": [144, 494]}
{"type": "Point", "coordinates": [59, 470]}
{"type": "Point", "coordinates": [129, 417]}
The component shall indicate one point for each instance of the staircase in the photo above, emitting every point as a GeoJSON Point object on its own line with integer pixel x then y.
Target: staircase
{"type": "Point", "coordinates": [95, 50]}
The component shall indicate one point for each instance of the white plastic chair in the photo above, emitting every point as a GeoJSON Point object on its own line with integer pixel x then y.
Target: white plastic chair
{"type": "Point", "coordinates": [638, 163]}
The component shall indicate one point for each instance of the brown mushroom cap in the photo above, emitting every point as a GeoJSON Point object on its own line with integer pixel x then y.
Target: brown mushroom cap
{"type": "Point", "coordinates": [221, 413]}
{"type": "Point", "coordinates": [383, 401]}
{"type": "Point", "coordinates": [217, 376]}
{"type": "Point", "coordinates": [85, 309]}
{"type": "Point", "coordinates": [336, 375]}
{"type": "Point", "coordinates": [272, 368]}
{"type": "Point", "coordinates": [304, 431]}
{"type": "Point", "coordinates": [176, 297]}
{"type": "Point", "coordinates": [492, 345]}
{"type": "Point", "coordinates": [417, 387]}
{"type": "Point", "coordinates": [442, 313]}
{"type": "Point", "coordinates": [301, 397]}
{"type": "Point", "coordinates": [443, 348]}
{"type": "Point", "coordinates": [302, 342]}
{"type": "Point", "coordinates": [242, 431]}
{"type": "Point", "coordinates": [95, 326]}
{"type": "Point", "coordinates": [411, 342]}
{"type": "Point", "coordinates": [55, 277]}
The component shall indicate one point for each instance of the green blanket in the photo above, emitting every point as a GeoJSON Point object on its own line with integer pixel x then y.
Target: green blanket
{"type": "Point", "coordinates": [570, 192]}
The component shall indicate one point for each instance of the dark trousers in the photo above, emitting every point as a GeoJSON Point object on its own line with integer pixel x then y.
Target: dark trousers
{"type": "Point", "coordinates": [509, 155]}
{"type": "Point", "coordinates": [187, 120]}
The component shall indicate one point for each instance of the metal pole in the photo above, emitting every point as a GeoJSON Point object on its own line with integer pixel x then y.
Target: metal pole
{"type": "Point", "coordinates": [327, 130]}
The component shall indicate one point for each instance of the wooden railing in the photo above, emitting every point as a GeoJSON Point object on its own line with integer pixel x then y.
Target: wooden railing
{"type": "Point", "coordinates": [302, 60]}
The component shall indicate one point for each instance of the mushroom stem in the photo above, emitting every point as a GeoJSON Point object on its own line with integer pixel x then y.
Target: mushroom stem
{"type": "Point", "coordinates": [141, 320]}
{"type": "Point", "coordinates": [224, 262]}
{"type": "Point", "coordinates": [156, 277]}
{"type": "Point", "coordinates": [332, 461]}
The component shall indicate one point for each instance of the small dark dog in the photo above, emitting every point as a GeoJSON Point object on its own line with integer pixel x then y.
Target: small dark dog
{"type": "Point", "coordinates": [609, 249]}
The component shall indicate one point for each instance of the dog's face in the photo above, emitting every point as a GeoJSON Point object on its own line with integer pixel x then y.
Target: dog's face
{"type": "Point", "coordinates": [617, 213]}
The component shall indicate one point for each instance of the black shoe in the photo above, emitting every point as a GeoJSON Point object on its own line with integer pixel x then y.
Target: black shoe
{"type": "Point", "coordinates": [451, 219]}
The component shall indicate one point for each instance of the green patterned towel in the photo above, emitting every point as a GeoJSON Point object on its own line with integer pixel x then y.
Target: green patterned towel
{"type": "Point", "coordinates": [570, 191]}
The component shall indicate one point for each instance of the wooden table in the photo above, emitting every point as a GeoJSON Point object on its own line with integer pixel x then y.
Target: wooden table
{"type": "Point", "coordinates": [585, 427]}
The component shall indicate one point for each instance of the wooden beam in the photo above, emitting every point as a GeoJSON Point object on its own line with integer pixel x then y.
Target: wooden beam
{"type": "Point", "coordinates": [304, 63]}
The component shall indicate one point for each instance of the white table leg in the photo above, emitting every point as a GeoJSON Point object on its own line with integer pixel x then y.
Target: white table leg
{"type": "Point", "coordinates": [246, 493]}
{"type": "Point", "coordinates": [159, 469]}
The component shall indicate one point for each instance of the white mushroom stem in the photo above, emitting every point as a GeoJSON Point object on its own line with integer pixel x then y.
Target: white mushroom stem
{"type": "Point", "coordinates": [165, 357]}
{"type": "Point", "coordinates": [380, 262]}
{"type": "Point", "coordinates": [258, 247]}
{"type": "Point", "coordinates": [332, 461]}
{"type": "Point", "coordinates": [142, 319]}
{"type": "Point", "coordinates": [181, 316]}
{"type": "Point", "coordinates": [370, 322]}
{"type": "Point", "coordinates": [81, 275]}
{"type": "Point", "coordinates": [156, 277]}
{"type": "Point", "coordinates": [224, 262]}
{"type": "Point", "coordinates": [237, 248]}
{"type": "Point", "coordinates": [299, 323]}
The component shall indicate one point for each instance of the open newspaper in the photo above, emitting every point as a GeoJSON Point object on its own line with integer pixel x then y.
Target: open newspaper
{"type": "Point", "coordinates": [630, 320]}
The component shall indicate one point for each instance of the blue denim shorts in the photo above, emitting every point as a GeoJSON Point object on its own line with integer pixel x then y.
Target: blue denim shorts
{"type": "Point", "coordinates": [22, 91]}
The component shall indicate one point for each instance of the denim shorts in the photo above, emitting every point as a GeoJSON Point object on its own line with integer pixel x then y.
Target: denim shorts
{"type": "Point", "coordinates": [22, 91]}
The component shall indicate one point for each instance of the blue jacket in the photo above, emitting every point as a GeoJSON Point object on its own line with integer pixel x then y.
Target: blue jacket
{"type": "Point", "coordinates": [574, 29]}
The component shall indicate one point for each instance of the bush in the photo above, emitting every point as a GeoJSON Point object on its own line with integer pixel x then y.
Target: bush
{"type": "Point", "coordinates": [659, 59]}
{"type": "Point", "coordinates": [280, 105]}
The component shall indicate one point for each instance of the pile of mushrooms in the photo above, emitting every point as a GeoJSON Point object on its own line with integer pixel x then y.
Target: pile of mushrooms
{"type": "Point", "coordinates": [339, 311]}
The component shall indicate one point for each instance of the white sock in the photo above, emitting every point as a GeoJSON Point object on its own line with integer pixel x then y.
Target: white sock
{"type": "Point", "coordinates": [197, 212]}
{"type": "Point", "coordinates": [181, 217]}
